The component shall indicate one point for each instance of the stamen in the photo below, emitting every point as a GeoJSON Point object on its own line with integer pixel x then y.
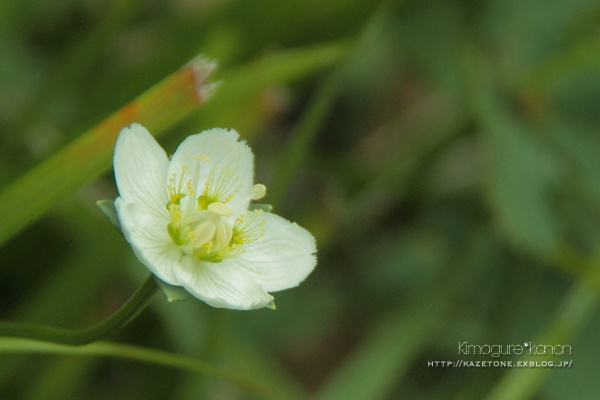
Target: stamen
{"type": "Point", "coordinates": [220, 186]}
{"type": "Point", "coordinates": [197, 226]}
{"type": "Point", "coordinates": [193, 182]}
{"type": "Point", "coordinates": [180, 188]}
{"type": "Point", "coordinates": [174, 227]}
{"type": "Point", "coordinates": [248, 228]}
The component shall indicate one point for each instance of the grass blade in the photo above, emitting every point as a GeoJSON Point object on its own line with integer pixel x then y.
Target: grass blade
{"type": "Point", "coordinates": [89, 155]}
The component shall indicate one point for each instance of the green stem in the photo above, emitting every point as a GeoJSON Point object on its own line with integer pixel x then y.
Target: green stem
{"type": "Point", "coordinates": [122, 316]}
{"type": "Point", "coordinates": [125, 351]}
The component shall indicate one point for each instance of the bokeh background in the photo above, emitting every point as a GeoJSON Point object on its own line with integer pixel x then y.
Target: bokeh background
{"type": "Point", "coordinates": [445, 154]}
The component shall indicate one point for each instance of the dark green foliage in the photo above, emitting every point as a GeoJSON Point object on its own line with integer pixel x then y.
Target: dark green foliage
{"type": "Point", "coordinates": [448, 165]}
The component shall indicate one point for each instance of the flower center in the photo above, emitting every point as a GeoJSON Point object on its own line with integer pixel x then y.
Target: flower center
{"type": "Point", "coordinates": [200, 226]}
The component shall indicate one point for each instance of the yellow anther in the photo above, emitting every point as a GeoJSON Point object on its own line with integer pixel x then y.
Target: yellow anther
{"type": "Point", "coordinates": [180, 188]}
{"type": "Point", "coordinates": [219, 186]}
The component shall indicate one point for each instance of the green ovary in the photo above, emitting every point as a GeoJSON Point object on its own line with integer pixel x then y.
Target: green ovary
{"type": "Point", "coordinates": [203, 202]}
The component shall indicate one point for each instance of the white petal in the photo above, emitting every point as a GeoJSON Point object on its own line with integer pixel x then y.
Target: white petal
{"type": "Point", "coordinates": [140, 168]}
{"type": "Point", "coordinates": [221, 285]}
{"type": "Point", "coordinates": [224, 151]}
{"type": "Point", "coordinates": [282, 258]}
{"type": "Point", "coordinates": [146, 231]}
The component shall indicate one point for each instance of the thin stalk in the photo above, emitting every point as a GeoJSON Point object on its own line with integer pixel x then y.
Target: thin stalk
{"type": "Point", "coordinates": [132, 307]}
{"type": "Point", "coordinates": [137, 353]}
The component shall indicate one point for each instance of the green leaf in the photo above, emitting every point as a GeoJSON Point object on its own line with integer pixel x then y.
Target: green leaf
{"type": "Point", "coordinates": [577, 307]}
{"type": "Point", "coordinates": [158, 109]}
{"type": "Point", "coordinates": [563, 68]}
{"type": "Point", "coordinates": [378, 364]}
{"type": "Point", "coordinates": [90, 154]}
{"type": "Point", "coordinates": [518, 171]}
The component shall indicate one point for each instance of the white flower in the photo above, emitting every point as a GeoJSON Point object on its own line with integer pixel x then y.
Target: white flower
{"type": "Point", "coordinates": [187, 219]}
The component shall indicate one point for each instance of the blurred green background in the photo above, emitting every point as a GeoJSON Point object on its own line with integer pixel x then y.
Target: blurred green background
{"type": "Point", "coordinates": [445, 154]}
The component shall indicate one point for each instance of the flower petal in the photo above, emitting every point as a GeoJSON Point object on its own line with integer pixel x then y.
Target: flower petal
{"type": "Point", "coordinates": [282, 258]}
{"type": "Point", "coordinates": [225, 152]}
{"type": "Point", "coordinates": [221, 285]}
{"type": "Point", "coordinates": [146, 231]}
{"type": "Point", "coordinates": [140, 166]}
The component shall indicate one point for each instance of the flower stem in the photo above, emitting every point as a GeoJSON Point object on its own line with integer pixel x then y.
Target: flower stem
{"type": "Point", "coordinates": [122, 316]}
{"type": "Point", "coordinates": [136, 353]}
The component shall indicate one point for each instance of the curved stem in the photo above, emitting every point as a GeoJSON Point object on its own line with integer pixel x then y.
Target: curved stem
{"type": "Point", "coordinates": [122, 316]}
{"type": "Point", "coordinates": [125, 351]}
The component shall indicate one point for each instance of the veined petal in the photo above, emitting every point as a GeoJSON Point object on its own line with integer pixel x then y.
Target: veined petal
{"type": "Point", "coordinates": [140, 166]}
{"type": "Point", "coordinates": [282, 258]}
{"type": "Point", "coordinates": [221, 285]}
{"type": "Point", "coordinates": [225, 153]}
{"type": "Point", "coordinates": [146, 231]}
